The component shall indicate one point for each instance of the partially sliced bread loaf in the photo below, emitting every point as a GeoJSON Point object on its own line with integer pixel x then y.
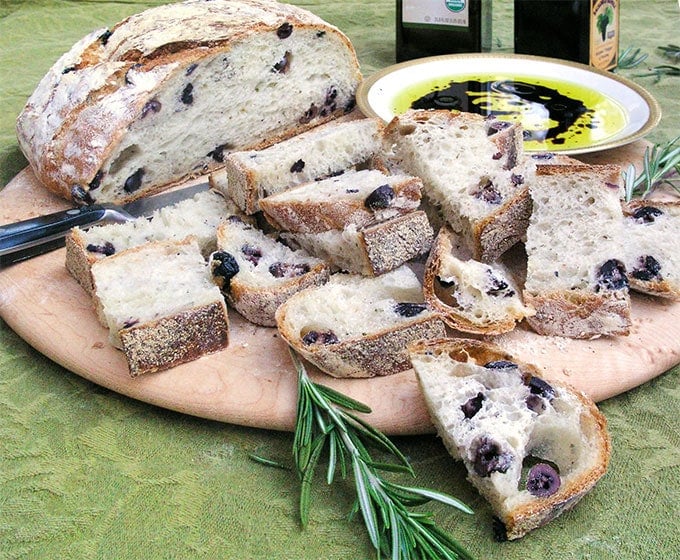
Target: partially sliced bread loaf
{"type": "Point", "coordinates": [167, 93]}
{"type": "Point", "coordinates": [359, 327]}
{"type": "Point", "coordinates": [652, 230]}
{"type": "Point", "coordinates": [257, 273]}
{"type": "Point", "coordinates": [533, 449]}
{"type": "Point", "coordinates": [160, 305]}
{"type": "Point", "coordinates": [355, 197]}
{"type": "Point", "coordinates": [471, 296]}
{"type": "Point", "coordinates": [321, 152]}
{"type": "Point", "coordinates": [371, 250]}
{"type": "Point", "coordinates": [576, 276]}
{"type": "Point", "coordinates": [475, 173]}
{"type": "Point", "coordinates": [198, 217]}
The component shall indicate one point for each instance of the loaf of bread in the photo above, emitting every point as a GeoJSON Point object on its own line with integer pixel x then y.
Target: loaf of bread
{"type": "Point", "coordinates": [324, 151]}
{"type": "Point", "coordinates": [355, 197]}
{"type": "Point", "coordinates": [652, 230]}
{"type": "Point", "coordinates": [371, 250]}
{"type": "Point", "coordinates": [576, 276]}
{"type": "Point", "coordinates": [258, 273]}
{"type": "Point", "coordinates": [472, 168]}
{"type": "Point", "coordinates": [354, 326]}
{"type": "Point", "coordinates": [160, 305]}
{"type": "Point", "coordinates": [532, 448]}
{"type": "Point", "coordinates": [472, 296]}
{"type": "Point", "coordinates": [197, 217]}
{"type": "Point", "coordinates": [167, 93]}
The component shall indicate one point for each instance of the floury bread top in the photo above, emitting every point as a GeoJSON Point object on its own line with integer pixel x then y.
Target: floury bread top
{"type": "Point", "coordinates": [163, 95]}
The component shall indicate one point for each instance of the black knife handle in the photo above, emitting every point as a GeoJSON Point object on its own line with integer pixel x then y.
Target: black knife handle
{"type": "Point", "coordinates": [36, 233]}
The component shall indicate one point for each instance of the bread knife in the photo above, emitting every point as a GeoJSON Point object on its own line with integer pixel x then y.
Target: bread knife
{"type": "Point", "coordinates": [22, 240]}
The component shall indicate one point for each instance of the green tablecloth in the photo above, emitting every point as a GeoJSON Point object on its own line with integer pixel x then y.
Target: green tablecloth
{"type": "Point", "coordinates": [87, 473]}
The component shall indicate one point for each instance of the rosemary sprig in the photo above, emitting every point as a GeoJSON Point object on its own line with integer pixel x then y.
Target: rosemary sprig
{"type": "Point", "coordinates": [326, 420]}
{"type": "Point", "coordinates": [630, 58]}
{"type": "Point", "coordinates": [671, 51]}
{"type": "Point", "coordinates": [660, 165]}
{"type": "Point", "coordinates": [659, 71]}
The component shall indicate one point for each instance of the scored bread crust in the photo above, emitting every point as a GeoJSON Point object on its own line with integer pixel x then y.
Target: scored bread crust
{"type": "Point", "coordinates": [456, 318]}
{"type": "Point", "coordinates": [530, 512]}
{"type": "Point", "coordinates": [80, 112]}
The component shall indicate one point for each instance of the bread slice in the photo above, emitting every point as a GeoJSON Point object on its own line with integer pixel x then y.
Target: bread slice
{"type": "Point", "coordinates": [355, 197]}
{"type": "Point", "coordinates": [652, 230]}
{"type": "Point", "coordinates": [355, 326]}
{"type": "Point", "coordinates": [257, 273]}
{"type": "Point", "coordinates": [576, 278]}
{"type": "Point", "coordinates": [472, 296]}
{"type": "Point", "coordinates": [321, 152]}
{"type": "Point", "coordinates": [165, 94]}
{"type": "Point", "coordinates": [160, 305]}
{"type": "Point", "coordinates": [533, 449]}
{"type": "Point", "coordinates": [371, 250]}
{"type": "Point", "coordinates": [197, 217]}
{"type": "Point", "coordinates": [475, 173]}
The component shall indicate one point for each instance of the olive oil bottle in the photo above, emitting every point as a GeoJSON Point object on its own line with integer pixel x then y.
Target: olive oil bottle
{"type": "Point", "coordinates": [433, 27]}
{"type": "Point", "coordinates": [585, 31]}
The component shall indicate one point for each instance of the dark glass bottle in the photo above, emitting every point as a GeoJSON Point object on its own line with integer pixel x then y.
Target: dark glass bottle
{"type": "Point", "coordinates": [585, 31]}
{"type": "Point", "coordinates": [432, 27]}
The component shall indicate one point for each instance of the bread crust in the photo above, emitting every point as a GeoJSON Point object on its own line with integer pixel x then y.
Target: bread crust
{"type": "Point", "coordinates": [82, 108]}
{"type": "Point", "coordinates": [375, 355]}
{"type": "Point", "coordinates": [535, 511]}
{"type": "Point", "coordinates": [175, 339]}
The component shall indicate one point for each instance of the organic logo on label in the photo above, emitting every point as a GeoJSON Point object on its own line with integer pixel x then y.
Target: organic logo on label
{"type": "Point", "coordinates": [455, 5]}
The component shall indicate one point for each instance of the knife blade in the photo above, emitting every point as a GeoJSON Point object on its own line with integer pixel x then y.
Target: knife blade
{"type": "Point", "coordinates": [28, 238]}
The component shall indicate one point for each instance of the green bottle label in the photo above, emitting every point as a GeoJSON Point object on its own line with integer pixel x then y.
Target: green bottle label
{"type": "Point", "coordinates": [440, 13]}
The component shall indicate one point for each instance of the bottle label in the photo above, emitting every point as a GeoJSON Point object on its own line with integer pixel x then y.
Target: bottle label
{"type": "Point", "coordinates": [604, 33]}
{"type": "Point", "coordinates": [439, 13]}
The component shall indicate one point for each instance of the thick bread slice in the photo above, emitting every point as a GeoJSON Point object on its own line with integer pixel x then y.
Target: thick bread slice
{"type": "Point", "coordinates": [533, 449]}
{"type": "Point", "coordinates": [257, 273]}
{"type": "Point", "coordinates": [355, 326]}
{"type": "Point", "coordinates": [197, 217]}
{"type": "Point", "coordinates": [166, 93]}
{"type": "Point", "coordinates": [471, 296]}
{"type": "Point", "coordinates": [355, 197]}
{"type": "Point", "coordinates": [160, 305]}
{"type": "Point", "coordinates": [475, 174]}
{"type": "Point", "coordinates": [371, 250]}
{"type": "Point", "coordinates": [576, 280]}
{"type": "Point", "coordinates": [318, 153]}
{"type": "Point", "coordinates": [652, 230]}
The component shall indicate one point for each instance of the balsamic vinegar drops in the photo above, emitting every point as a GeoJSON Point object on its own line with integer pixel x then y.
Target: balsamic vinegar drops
{"type": "Point", "coordinates": [585, 31]}
{"type": "Point", "coordinates": [433, 27]}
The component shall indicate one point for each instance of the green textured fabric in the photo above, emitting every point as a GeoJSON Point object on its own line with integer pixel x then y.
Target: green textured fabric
{"type": "Point", "coordinates": [88, 474]}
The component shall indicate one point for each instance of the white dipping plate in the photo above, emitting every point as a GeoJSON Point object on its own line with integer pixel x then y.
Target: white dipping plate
{"type": "Point", "coordinates": [613, 110]}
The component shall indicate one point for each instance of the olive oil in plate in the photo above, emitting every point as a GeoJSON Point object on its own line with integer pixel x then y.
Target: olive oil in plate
{"type": "Point", "coordinates": [556, 115]}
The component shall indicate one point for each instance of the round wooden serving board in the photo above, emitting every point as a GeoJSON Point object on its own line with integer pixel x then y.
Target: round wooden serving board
{"type": "Point", "coordinates": [253, 382]}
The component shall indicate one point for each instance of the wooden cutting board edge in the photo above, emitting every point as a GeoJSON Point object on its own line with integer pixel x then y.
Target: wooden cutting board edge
{"type": "Point", "coordinates": [247, 386]}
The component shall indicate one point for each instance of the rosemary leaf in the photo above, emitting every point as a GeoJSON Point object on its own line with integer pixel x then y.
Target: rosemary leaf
{"type": "Point", "coordinates": [323, 422]}
{"type": "Point", "coordinates": [268, 462]}
{"type": "Point", "coordinates": [671, 51]}
{"type": "Point", "coordinates": [630, 58]}
{"type": "Point", "coordinates": [660, 166]}
{"type": "Point", "coordinates": [659, 71]}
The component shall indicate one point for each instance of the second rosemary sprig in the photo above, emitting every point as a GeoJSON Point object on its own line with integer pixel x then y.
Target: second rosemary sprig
{"type": "Point", "coordinates": [326, 421]}
{"type": "Point", "coordinates": [660, 165]}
